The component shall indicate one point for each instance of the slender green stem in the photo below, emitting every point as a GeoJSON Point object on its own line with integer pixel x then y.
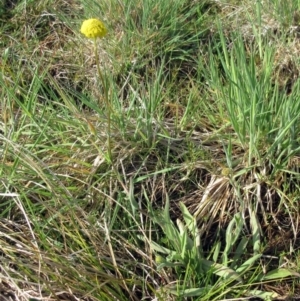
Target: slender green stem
{"type": "Point", "coordinates": [107, 103]}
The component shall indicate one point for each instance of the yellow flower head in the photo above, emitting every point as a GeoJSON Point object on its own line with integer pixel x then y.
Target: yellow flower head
{"type": "Point", "coordinates": [159, 259]}
{"type": "Point", "coordinates": [93, 28]}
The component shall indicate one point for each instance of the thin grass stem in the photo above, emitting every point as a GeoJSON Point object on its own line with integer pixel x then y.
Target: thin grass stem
{"type": "Point", "coordinates": [107, 103]}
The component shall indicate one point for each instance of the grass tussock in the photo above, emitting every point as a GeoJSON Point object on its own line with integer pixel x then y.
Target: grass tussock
{"type": "Point", "coordinates": [173, 174]}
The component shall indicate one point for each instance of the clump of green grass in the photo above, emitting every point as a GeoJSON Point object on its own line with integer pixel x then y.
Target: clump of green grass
{"type": "Point", "coordinates": [200, 201]}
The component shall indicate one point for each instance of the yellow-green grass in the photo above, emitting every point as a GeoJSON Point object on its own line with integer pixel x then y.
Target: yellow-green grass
{"type": "Point", "coordinates": [170, 175]}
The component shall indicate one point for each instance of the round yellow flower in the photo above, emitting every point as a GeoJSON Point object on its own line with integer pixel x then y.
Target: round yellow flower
{"type": "Point", "coordinates": [159, 259]}
{"type": "Point", "coordinates": [93, 28]}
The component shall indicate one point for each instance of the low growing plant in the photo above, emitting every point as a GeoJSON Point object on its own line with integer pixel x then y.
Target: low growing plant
{"type": "Point", "coordinates": [221, 272]}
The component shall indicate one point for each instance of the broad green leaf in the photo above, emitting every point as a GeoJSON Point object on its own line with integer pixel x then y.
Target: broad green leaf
{"type": "Point", "coordinates": [166, 212]}
{"type": "Point", "coordinates": [279, 274]}
{"type": "Point", "coordinates": [248, 263]}
{"type": "Point", "coordinates": [169, 227]}
{"type": "Point", "coordinates": [240, 250]}
{"type": "Point", "coordinates": [220, 270]}
{"type": "Point", "coordinates": [183, 245]}
{"type": "Point", "coordinates": [217, 251]}
{"type": "Point", "coordinates": [186, 242]}
{"type": "Point", "coordinates": [232, 234]}
{"type": "Point", "coordinates": [174, 256]}
{"type": "Point", "coordinates": [190, 292]}
{"type": "Point", "coordinates": [160, 249]}
{"type": "Point", "coordinates": [167, 264]}
{"type": "Point", "coordinates": [262, 295]}
{"type": "Point", "coordinates": [190, 221]}
{"type": "Point", "coordinates": [255, 232]}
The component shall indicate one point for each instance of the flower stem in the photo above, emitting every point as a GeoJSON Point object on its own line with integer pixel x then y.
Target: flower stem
{"type": "Point", "coordinates": [107, 103]}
